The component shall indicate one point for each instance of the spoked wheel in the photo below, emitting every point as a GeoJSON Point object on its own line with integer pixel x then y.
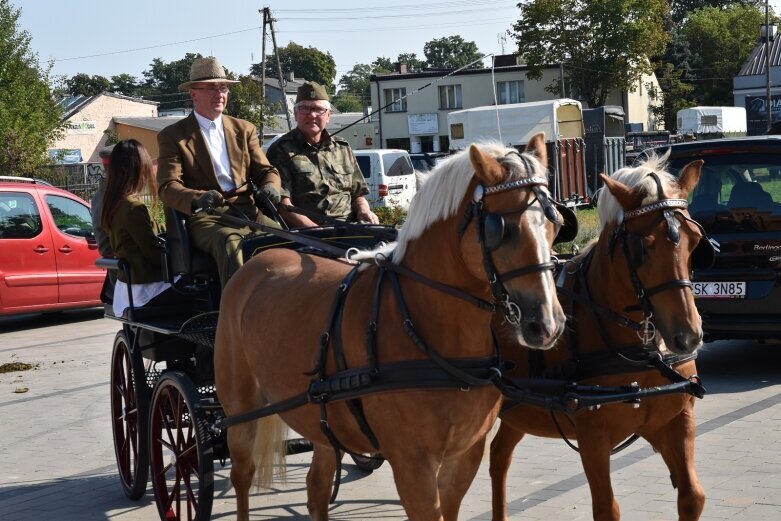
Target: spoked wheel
{"type": "Point", "coordinates": [129, 417]}
{"type": "Point", "coordinates": [181, 451]}
{"type": "Point", "coordinates": [368, 462]}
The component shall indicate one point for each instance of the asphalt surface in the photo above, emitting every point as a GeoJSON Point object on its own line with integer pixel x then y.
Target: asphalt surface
{"type": "Point", "coordinates": [57, 455]}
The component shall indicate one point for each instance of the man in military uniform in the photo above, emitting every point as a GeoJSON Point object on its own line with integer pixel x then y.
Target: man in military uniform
{"type": "Point", "coordinates": [319, 172]}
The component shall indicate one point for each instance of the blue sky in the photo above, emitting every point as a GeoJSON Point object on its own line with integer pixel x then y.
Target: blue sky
{"type": "Point", "coordinates": [105, 38]}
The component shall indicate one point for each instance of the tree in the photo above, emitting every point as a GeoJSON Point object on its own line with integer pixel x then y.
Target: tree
{"type": "Point", "coordinates": [412, 61]}
{"type": "Point", "coordinates": [87, 85]}
{"type": "Point", "coordinates": [29, 117]}
{"type": "Point", "coordinates": [357, 82]}
{"type": "Point", "coordinates": [605, 45]}
{"type": "Point", "coordinates": [720, 40]}
{"type": "Point", "coordinates": [245, 102]}
{"type": "Point", "coordinates": [680, 9]}
{"type": "Point", "coordinates": [125, 84]}
{"type": "Point", "coordinates": [304, 62]}
{"type": "Point", "coordinates": [451, 52]}
{"type": "Point", "coordinates": [382, 64]}
{"type": "Point", "coordinates": [165, 78]}
{"type": "Point", "coordinates": [346, 102]}
{"type": "Point", "coordinates": [677, 95]}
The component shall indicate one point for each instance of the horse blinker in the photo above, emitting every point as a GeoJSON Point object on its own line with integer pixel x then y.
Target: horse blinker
{"type": "Point", "coordinates": [494, 230]}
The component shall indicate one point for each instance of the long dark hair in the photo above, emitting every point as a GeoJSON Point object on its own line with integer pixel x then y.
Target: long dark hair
{"type": "Point", "coordinates": [129, 173]}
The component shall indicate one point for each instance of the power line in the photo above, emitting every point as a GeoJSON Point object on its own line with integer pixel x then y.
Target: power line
{"type": "Point", "coordinates": [409, 7]}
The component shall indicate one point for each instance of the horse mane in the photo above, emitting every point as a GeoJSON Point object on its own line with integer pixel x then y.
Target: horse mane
{"type": "Point", "coordinates": [444, 190]}
{"type": "Point", "coordinates": [611, 212]}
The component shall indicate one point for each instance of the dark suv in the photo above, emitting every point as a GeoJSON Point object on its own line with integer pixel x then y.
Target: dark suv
{"type": "Point", "coordinates": [738, 202]}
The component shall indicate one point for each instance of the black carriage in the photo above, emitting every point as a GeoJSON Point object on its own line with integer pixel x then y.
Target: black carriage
{"type": "Point", "coordinates": [164, 404]}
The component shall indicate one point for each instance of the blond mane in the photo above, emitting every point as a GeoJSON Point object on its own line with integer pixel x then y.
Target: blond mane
{"type": "Point", "coordinates": [445, 189]}
{"type": "Point", "coordinates": [611, 212]}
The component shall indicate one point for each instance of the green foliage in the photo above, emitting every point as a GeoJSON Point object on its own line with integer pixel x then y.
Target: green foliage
{"type": "Point", "coordinates": [382, 64]}
{"type": "Point", "coordinates": [245, 102]}
{"type": "Point", "coordinates": [165, 77]}
{"type": "Point", "coordinates": [304, 62]}
{"type": "Point", "coordinates": [87, 85]}
{"type": "Point", "coordinates": [112, 138]}
{"type": "Point", "coordinates": [677, 95]}
{"type": "Point", "coordinates": [347, 103]}
{"type": "Point", "coordinates": [720, 40]}
{"type": "Point", "coordinates": [125, 84]}
{"type": "Point", "coordinates": [451, 52]}
{"type": "Point", "coordinates": [416, 65]}
{"type": "Point", "coordinates": [29, 117]}
{"type": "Point", "coordinates": [604, 45]}
{"type": "Point", "coordinates": [392, 215]}
{"type": "Point", "coordinates": [356, 83]}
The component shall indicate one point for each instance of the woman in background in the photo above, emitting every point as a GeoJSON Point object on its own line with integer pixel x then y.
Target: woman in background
{"type": "Point", "coordinates": [131, 229]}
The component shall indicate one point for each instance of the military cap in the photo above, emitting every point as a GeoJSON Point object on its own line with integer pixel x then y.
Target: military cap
{"type": "Point", "coordinates": [311, 91]}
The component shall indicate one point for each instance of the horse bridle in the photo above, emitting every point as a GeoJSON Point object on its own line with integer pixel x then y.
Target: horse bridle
{"type": "Point", "coordinates": [632, 245]}
{"type": "Point", "coordinates": [491, 232]}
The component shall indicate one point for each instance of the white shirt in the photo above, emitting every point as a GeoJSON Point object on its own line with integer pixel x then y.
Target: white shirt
{"type": "Point", "coordinates": [142, 293]}
{"type": "Point", "coordinates": [214, 134]}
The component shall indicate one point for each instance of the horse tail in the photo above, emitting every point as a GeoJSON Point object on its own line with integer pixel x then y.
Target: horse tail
{"type": "Point", "coordinates": [269, 450]}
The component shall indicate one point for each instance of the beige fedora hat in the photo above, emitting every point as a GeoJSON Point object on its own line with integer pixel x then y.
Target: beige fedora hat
{"type": "Point", "coordinates": [206, 70]}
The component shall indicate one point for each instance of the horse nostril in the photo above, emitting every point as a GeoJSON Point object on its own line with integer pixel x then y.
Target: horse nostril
{"type": "Point", "coordinates": [534, 330]}
{"type": "Point", "coordinates": [688, 342]}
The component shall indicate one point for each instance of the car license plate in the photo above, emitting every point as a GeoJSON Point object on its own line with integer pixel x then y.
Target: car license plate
{"type": "Point", "coordinates": [719, 289]}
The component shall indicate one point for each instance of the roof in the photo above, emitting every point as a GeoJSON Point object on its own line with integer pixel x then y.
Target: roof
{"type": "Point", "coordinates": [755, 63]}
{"type": "Point", "coordinates": [156, 124]}
{"type": "Point", "coordinates": [439, 72]}
{"type": "Point", "coordinates": [74, 104]}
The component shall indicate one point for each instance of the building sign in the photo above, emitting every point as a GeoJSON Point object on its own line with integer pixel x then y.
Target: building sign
{"type": "Point", "coordinates": [423, 124]}
{"type": "Point", "coordinates": [81, 127]}
{"type": "Point", "coordinates": [756, 113]}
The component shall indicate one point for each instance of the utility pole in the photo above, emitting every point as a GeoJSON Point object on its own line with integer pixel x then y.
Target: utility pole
{"type": "Point", "coordinates": [768, 37]}
{"type": "Point", "coordinates": [268, 21]}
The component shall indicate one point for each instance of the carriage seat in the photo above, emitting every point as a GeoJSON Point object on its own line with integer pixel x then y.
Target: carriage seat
{"type": "Point", "coordinates": [193, 267]}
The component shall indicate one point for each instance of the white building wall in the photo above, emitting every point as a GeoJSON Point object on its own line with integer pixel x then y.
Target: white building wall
{"type": "Point", "coordinates": [87, 127]}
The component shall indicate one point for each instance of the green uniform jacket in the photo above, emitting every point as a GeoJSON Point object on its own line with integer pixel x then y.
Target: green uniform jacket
{"type": "Point", "coordinates": [322, 178]}
{"type": "Point", "coordinates": [133, 237]}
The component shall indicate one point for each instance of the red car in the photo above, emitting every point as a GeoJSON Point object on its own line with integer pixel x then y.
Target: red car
{"type": "Point", "coordinates": [47, 249]}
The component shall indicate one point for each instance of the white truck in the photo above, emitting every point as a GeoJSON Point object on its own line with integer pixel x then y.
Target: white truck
{"type": "Point", "coordinates": [389, 174]}
{"type": "Point", "coordinates": [514, 124]}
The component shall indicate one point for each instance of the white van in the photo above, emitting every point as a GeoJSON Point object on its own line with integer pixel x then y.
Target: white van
{"type": "Point", "coordinates": [389, 174]}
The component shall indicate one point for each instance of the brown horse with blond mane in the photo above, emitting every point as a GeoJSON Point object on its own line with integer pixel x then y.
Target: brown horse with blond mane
{"type": "Point", "coordinates": [633, 319]}
{"type": "Point", "coordinates": [409, 331]}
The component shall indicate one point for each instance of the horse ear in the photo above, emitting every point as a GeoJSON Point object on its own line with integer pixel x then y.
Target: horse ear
{"type": "Point", "coordinates": [537, 145]}
{"type": "Point", "coordinates": [486, 168]}
{"type": "Point", "coordinates": [690, 175]}
{"type": "Point", "coordinates": [628, 198]}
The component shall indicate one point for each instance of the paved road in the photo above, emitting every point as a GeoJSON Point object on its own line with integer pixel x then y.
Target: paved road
{"type": "Point", "coordinates": [57, 459]}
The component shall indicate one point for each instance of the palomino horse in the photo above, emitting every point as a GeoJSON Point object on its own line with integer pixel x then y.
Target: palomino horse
{"type": "Point", "coordinates": [639, 267]}
{"type": "Point", "coordinates": [419, 338]}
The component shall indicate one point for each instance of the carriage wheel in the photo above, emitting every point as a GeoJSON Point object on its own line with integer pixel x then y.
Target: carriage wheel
{"type": "Point", "coordinates": [129, 417]}
{"type": "Point", "coordinates": [181, 450]}
{"type": "Point", "coordinates": [368, 462]}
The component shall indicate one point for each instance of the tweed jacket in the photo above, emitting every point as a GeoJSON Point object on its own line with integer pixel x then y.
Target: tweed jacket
{"type": "Point", "coordinates": [185, 169]}
{"type": "Point", "coordinates": [133, 237]}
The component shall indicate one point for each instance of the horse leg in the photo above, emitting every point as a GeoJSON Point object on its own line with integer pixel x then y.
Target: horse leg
{"type": "Point", "coordinates": [502, 448]}
{"type": "Point", "coordinates": [319, 481]}
{"type": "Point", "coordinates": [416, 482]}
{"type": "Point", "coordinates": [675, 442]}
{"type": "Point", "coordinates": [595, 457]}
{"type": "Point", "coordinates": [454, 477]}
{"type": "Point", "coordinates": [241, 442]}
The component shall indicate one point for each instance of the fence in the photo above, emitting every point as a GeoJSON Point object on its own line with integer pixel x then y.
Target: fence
{"type": "Point", "coordinates": [81, 179]}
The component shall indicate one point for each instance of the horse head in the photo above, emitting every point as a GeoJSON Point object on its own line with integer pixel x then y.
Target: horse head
{"type": "Point", "coordinates": [652, 246]}
{"type": "Point", "coordinates": [514, 221]}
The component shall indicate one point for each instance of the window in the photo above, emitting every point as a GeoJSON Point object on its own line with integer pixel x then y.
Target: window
{"type": "Point", "coordinates": [457, 131]}
{"type": "Point", "coordinates": [450, 97]}
{"type": "Point", "coordinates": [19, 217]}
{"type": "Point", "coordinates": [510, 92]}
{"type": "Point", "coordinates": [70, 217]}
{"type": "Point", "coordinates": [396, 100]}
{"type": "Point", "coordinates": [365, 163]}
{"type": "Point", "coordinates": [709, 119]}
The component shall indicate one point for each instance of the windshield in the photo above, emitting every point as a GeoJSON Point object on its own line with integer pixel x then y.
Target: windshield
{"type": "Point", "coordinates": [736, 192]}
